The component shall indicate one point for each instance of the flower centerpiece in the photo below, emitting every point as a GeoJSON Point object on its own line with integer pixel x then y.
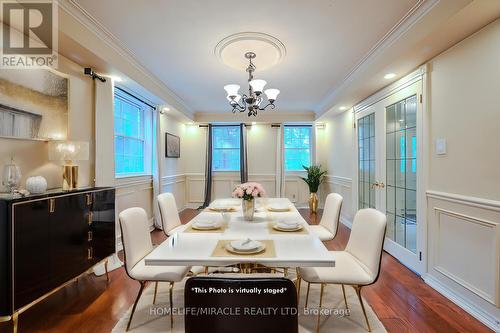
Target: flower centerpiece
{"type": "Point", "coordinates": [315, 177]}
{"type": "Point", "coordinates": [248, 192]}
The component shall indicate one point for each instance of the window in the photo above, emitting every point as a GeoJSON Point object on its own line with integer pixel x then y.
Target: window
{"type": "Point", "coordinates": [298, 147]}
{"type": "Point", "coordinates": [133, 151]}
{"type": "Point", "coordinates": [226, 148]}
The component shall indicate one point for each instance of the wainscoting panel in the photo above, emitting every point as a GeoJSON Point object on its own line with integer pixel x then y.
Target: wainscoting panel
{"type": "Point", "coordinates": [175, 184]}
{"type": "Point", "coordinates": [134, 192]}
{"type": "Point", "coordinates": [464, 253]}
{"type": "Point", "coordinates": [342, 186]}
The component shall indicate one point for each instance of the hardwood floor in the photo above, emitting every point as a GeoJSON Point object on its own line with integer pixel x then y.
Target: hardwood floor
{"type": "Point", "coordinates": [402, 301]}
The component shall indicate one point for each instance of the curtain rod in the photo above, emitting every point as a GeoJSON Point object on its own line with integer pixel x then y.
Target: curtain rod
{"type": "Point", "coordinates": [135, 97]}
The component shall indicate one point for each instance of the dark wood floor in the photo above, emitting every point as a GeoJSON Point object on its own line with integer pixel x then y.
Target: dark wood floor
{"type": "Point", "coordinates": [402, 301]}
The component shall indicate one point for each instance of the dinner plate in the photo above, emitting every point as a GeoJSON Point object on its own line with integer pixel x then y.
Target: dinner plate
{"type": "Point", "coordinates": [222, 208]}
{"type": "Point", "coordinates": [288, 225]}
{"type": "Point", "coordinates": [297, 228]}
{"type": "Point", "coordinates": [206, 225]}
{"type": "Point", "coordinates": [245, 245]}
{"type": "Point", "coordinates": [258, 250]}
{"type": "Point", "coordinates": [278, 207]}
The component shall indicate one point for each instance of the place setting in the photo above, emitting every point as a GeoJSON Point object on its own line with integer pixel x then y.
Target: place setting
{"type": "Point", "coordinates": [244, 247]}
{"type": "Point", "coordinates": [287, 226]}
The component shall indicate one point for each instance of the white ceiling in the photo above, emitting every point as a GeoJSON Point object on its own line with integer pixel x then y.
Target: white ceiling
{"type": "Point", "coordinates": [325, 41]}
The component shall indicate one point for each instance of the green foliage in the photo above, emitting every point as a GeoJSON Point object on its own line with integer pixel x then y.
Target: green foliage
{"type": "Point", "coordinates": [314, 177]}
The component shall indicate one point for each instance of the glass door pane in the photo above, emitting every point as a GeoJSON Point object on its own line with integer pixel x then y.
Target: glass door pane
{"type": "Point", "coordinates": [366, 161]}
{"type": "Point", "coordinates": [401, 172]}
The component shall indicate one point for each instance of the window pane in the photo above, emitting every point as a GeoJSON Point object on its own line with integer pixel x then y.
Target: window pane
{"type": "Point", "coordinates": [129, 137]}
{"type": "Point", "coordinates": [226, 148]}
{"type": "Point", "coordinates": [297, 143]}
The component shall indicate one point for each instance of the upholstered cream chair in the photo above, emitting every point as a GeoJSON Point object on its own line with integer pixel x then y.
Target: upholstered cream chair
{"type": "Point", "coordinates": [327, 228]}
{"type": "Point", "coordinates": [359, 264]}
{"type": "Point", "coordinates": [136, 245]}
{"type": "Point", "coordinates": [170, 220]}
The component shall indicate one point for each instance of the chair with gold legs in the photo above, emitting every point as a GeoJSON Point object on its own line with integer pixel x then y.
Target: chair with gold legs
{"type": "Point", "coordinates": [136, 245]}
{"type": "Point", "coordinates": [359, 264]}
{"type": "Point", "coordinates": [327, 228]}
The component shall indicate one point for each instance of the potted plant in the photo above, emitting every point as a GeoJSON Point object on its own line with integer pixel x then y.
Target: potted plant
{"type": "Point", "coordinates": [314, 178]}
{"type": "Point", "coordinates": [248, 192]}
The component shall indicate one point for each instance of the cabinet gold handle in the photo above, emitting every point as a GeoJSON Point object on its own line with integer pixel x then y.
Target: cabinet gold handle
{"type": "Point", "coordinates": [90, 218]}
{"type": "Point", "coordinates": [89, 253]}
{"type": "Point", "coordinates": [52, 205]}
{"type": "Point", "coordinates": [89, 236]}
{"type": "Point", "coordinates": [89, 199]}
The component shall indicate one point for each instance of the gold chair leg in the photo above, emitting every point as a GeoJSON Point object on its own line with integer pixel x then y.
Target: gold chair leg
{"type": "Point", "coordinates": [206, 270]}
{"type": "Point", "coordinates": [156, 290]}
{"type": "Point", "coordinates": [171, 301]}
{"type": "Point", "coordinates": [307, 294]}
{"type": "Point", "coordinates": [358, 292]}
{"type": "Point", "coordinates": [299, 282]}
{"type": "Point", "coordinates": [135, 304]}
{"type": "Point", "coordinates": [320, 304]}
{"type": "Point", "coordinates": [345, 299]}
{"type": "Point", "coordinates": [285, 272]}
{"type": "Point", "coordinates": [106, 270]}
{"type": "Point", "coordinates": [15, 319]}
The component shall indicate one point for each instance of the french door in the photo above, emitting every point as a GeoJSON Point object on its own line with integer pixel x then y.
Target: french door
{"type": "Point", "coordinates": [389, 143]}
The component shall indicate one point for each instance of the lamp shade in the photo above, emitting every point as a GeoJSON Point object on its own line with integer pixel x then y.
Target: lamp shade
{"type": "Point", "coordinates": [68, 150]}
{"type": "Point", "coordinates": [232, 89]}
{"type": "Point", "coordinates": [272, 94]}
{"type": "Point", "coordinates": [258, 85]}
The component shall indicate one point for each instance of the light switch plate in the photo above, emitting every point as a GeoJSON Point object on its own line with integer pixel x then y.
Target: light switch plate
{"type": "Point", "coordinates": [441, 146]}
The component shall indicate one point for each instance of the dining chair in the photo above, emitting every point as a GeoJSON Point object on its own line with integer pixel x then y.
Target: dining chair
{"type": "Point", "coordinates": [170, 220]}
{"type": "Point", "coordinates": [237, 308]}
{"type": "Point", "coordinates": [358, 265]}
{"type": "Point", "coordinates": [327, 228]}
{"type": "Point", "coordinates": [137, 244]}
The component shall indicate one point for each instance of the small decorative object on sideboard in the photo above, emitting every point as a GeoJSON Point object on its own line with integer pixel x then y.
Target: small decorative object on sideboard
{"type": "Point", "coordinates": [248, 192]}
{"type": "Point", "coordinates": [11, 176]}
{"type": "Point", "coordinates": [314, 178]}
{"type": "Point", "coordinates": [36, 184]}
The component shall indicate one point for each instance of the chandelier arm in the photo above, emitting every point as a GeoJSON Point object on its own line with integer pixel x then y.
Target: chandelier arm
{"type": "Point", "coordinates": [271, 105]}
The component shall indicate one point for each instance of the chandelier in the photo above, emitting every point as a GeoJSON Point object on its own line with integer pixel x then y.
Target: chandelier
{"type": "Point", "coordinates": [253, 101]}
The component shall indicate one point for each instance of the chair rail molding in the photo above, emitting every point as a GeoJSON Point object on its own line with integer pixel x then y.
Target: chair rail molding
{"type": "Point", "coordinates": [465, 200]}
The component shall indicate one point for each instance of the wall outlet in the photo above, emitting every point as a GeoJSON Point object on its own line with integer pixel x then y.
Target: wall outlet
{"type": "Point", "coordinates": [440, 146]}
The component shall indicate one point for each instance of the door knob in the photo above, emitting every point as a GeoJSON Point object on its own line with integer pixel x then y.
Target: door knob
{"type": "Point", "coordinates": [378, 184]}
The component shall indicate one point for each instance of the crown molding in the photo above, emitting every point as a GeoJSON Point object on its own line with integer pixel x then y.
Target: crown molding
{"type": "Point", "coordinates": [75, 10]}
{"type": "Point", "coordinates": [412, 17]}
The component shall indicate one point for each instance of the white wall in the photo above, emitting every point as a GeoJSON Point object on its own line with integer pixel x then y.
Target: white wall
{"type": "Point", "coordinates": [464, 196]}
{"type": "Point", "coordinates": [261, 143]}
{"type": "Point", "coordinates": [336, 153]}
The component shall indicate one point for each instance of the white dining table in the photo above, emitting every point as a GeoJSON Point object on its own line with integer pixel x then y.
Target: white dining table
{"type": "Point", "coordinates": [291, 249]}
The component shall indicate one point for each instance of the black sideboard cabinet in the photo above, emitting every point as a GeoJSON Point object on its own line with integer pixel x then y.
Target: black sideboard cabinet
{"type": "Point", "coordinates": [49, 239]}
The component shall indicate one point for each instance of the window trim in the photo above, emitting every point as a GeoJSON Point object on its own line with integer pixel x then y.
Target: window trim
{"type": "Point", "coordinates": [213, 148]}
{"type": "Point", "coordinates": [312, 142]}
{"type": "Point", "coordinates": [146, 132]}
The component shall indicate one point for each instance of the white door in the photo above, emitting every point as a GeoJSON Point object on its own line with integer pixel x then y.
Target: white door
{"type": "Point", "coordinates": [389, 144]}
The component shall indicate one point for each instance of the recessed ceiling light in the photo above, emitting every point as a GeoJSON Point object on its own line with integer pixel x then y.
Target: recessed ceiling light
{"type": "Point", "coordinates": [254, 122]}
{"type": "Point", "coordinates": [389, 76]}
{"type": "Point", "coordinates": [116, 78]}
{"type": "Point", "coordinates": [343, 108]}
{"type": "Point", "coordinates": [166, 109]}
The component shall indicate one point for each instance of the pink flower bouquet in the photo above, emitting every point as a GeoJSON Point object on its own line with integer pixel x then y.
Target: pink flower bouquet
{"type": "Point", "coordinates": [249, 191]}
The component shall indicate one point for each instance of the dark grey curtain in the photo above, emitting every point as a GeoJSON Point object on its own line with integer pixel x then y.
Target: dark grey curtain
{"type": "Point", "coordinates": [208, 170]}
{"type": "Point", "coordinates": [243, 154]}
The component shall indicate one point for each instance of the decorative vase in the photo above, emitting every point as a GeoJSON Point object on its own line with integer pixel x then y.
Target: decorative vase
{"type": "Point", "coordinates": [313, 203]}
{"type": "Point", "coordinates": [248, 209]}
{"type": "Point", "coordinates": [36, 184]}
{"type": "Point", "coordinates": [11, 176]}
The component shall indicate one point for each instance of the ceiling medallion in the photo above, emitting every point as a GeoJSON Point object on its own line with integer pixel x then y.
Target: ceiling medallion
{"type": "Point", "coordinates": [253, 101]}
{"type": "Point", "coordinates": [271, 50]}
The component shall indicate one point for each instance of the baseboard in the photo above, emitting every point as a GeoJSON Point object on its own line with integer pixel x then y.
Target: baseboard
{"type": "Point", "coordinates": [345, 221]}
{"type": "Point", "coordinates": [475, 311]}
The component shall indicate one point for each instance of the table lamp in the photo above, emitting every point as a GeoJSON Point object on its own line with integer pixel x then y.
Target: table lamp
{"type": "Point", "coordinates": [69, 152]}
